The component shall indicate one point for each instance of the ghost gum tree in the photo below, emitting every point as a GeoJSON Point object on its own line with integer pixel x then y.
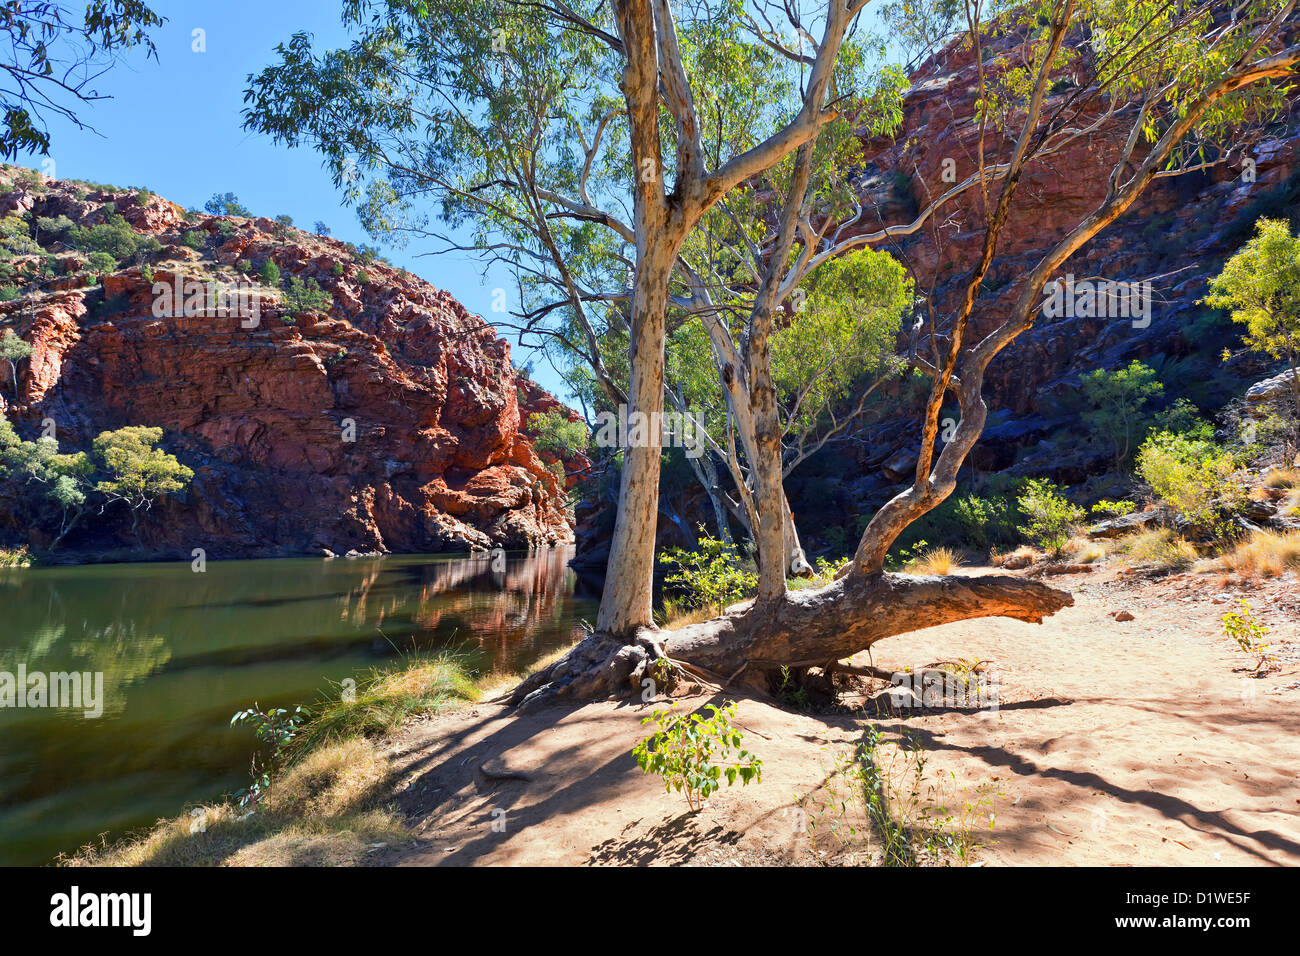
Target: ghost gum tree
{"type": "Point", "coordinates": [572, 144]}
{"type": "Point", "coordinates": [542, 161]}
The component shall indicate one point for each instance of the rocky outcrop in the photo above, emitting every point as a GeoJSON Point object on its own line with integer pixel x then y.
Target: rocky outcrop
{"type": "Point", "coordinates": [386, 418]}
{"type": "Point", "coordinates": [1176, 237]}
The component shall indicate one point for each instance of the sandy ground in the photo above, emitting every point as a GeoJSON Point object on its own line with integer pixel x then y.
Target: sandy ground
{"type": "Point", "coordinates": [1143, 742]}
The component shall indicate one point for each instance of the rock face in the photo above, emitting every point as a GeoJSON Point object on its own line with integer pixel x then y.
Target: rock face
{"type": "Point", "coordinates": [386, 420]}
{"type": "Point", "coordinates": [1177, 236]}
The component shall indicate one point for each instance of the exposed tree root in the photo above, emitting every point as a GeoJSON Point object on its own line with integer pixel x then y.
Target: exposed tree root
{"type": "Point", "coordinates": [811, 626]}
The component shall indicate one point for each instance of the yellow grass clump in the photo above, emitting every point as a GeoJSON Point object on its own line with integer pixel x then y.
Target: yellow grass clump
{"type": "Point", "coordinates": [1160, 547]}
{"type": "Point", "coordinates": [935, 561]}
{"type": "Point", "coordinates": [1265, 554]}
{"type": "Point", "coordinates": [326, 810]}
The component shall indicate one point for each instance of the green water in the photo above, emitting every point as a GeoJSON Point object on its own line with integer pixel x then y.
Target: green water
{"type": "Point", "coordinates": [181, 651]}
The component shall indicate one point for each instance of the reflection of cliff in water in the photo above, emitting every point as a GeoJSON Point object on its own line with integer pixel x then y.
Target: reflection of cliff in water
{"type": "Point", "coordinates": [503, 618]}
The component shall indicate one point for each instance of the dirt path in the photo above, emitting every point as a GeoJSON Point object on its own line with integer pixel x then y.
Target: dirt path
{"type": "Point", "coordinates": [1137, 742]}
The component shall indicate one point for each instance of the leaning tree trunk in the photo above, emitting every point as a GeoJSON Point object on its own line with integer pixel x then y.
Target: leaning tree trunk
{"type": "Point", "coordinates": [804, 628]}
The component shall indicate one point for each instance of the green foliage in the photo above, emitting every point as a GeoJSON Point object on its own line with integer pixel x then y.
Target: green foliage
{"type": "Point", "coordinates": [101, 262]}
{"type": "Point", "coordinates": [1193, 476]}
{"type": "Point", "coordinates": [56, 55]}
{"type": "Point", "coordinates": [53, 227]}
{"type": "Point", "coordinates": [14, 350]}
{"type": "Point", "coordinates": [243, 266]}
{"type": "Point", "coordinates": [1260, 286]}
{"type": "Point", "coordinates": [15, 239]}
{"type": "Point", "coordinates": [710, 576]}
{"type": "Point", "coordinates": [270, 273]}
{"type": "Point", "coordinates": [46, 475]}
{"type": "Point", "coordinates": [553, 432]}
{"type": "Point", "coordinates": [114, 237]}
{"type": "Point", "coordinates": [846, 330]}
{"type": "Point", "coordinates": [137, 472]}
{"type": "Point", "coordinates": [694, 754]}
{"type": "Point", "coordinates": [1113, 509]}
{"type": "Point", "coordinates": [275, 728]}
{"type": "Point", "coordinates": [362, 277]}
{"type": "Point", "coordinates": [1049, 518]}
{"type": "Point", "coordinates": [1118, 403]}
{"type": "Point", "coordinates": [195, 239]}
{"type": "Point", "coordinates": [1246, 630]}
{"type": "Point", "coordinates": [15, 557]}
{"type": "Point", "coordinates": [900, 558]}
{"type": "Point", "coordinates": [226, 204]}
{"type": "Point", "coordinates": [8, 293]}
{"type": "Point", "coordinates": [306, 296]}
{"type": "Point", "coordinates": [986, 522]}
{"type": "Point", "coordinates": [337, 270]}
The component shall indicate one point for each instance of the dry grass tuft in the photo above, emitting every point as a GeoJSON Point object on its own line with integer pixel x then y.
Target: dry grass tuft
{"type": "Point", "coordinates": [1282, 478]}
{"type": "Point", "coordinates": [1160, 547]}
{"type": "Point", "coordinates": [1265, 554]}
{"type": "Point", "coordinates": [935, 561]}
{"type": "Point", "coordinates": [326, 810]}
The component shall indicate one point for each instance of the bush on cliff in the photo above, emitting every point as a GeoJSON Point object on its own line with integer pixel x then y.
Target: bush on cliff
{"type": "Point", "coordinates": [553, 432]}
{"type": "Point", "coordinates": [54, 488]}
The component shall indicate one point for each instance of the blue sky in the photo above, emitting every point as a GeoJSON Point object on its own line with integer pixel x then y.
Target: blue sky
{"type": "Point", "coordinates": [173, 126]}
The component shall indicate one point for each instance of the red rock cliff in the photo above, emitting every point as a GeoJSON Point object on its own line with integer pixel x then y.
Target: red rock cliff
{"type": "Point", "coordinates": [389, 421]}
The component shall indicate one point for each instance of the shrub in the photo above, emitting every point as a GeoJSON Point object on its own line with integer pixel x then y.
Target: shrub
{"type": "Point", "coordinates": [1248, 633]}
{"type": "Point", "coordinates": [1050, 519]}
{"type": "Point", "coordinates": [195, 239]}
{"type": "Point", "coordinates": [226, 204]}
{"type": "Point", "coordinates": [100, 262]}
{"type": "Point", "coordinates": [55, 227]}
{"type": "Point", "coordinates": [1113, 509]}
{"type": "Point", "coordinates": [362, 277]}
{"type": "Point", "coordinates": [553, 432]}
{"type": "Point", "coordinates": [985, 522]}
{"type": "Point", "coordinates": [8, 293]}
{"type": "Point", "coordinates": [15, 240]}
{"type": "Point", "coordinates": [1118, 402]}
{"type": "Point", "coordinates": [337, 270]}
{"type": "Point", "coordinates": [1192, 476]}
{"type": "Point", "coordinates": [710, 576]}
{"type": "Point", "coordinates": [306, 296]}
{"type": "Point", "coordinates": [693, 753]}
{"type": "Point", "coordinates": [882, 792]}
{"type": "Point", "coordinates": [114, 236]}
{"type": "Point", "coordinates": [270, 273]}
{"type": "Point", "coordinates": [243, 266]}
{"type": "Point", "coordinates": [1160, 548]}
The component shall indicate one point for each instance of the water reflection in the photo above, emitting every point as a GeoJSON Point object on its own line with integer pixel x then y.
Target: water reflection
{"type": "Point", "coordinates": [180, 652]}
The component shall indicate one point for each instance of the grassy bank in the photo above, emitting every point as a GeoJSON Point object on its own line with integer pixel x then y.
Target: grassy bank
{"type": "Point", "coordinates": [329, 799]}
